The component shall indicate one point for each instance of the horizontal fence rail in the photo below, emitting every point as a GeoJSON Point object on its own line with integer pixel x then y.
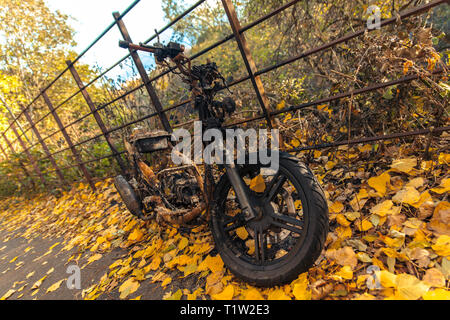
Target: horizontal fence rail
{"type": "Point", "coordinates": [159, 111]}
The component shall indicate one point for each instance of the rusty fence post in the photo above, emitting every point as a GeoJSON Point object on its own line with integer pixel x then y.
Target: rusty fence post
{"type": "Point", "coordinates": [4, 152]}
{"type": "Point", "coordinates": [7, 159]}
{"type": "Point", "coordinates": [95, 113]}
{"type": "Point", "coordinates": [75, 153]}
{"type": "Point", "coordinates": [22, 166]}
{"type": "Point", "coordinates": [3, 100]}
{"type": "Point", "coordinates": [248, 59]}
{"type": "Point", "coordinates": [144, 76]}
{"type": "Point", "coordinates": [44, 147]}
{"type": "Point", "coordinates": [27, 152]}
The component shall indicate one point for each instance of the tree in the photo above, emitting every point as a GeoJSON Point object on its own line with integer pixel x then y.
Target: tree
{"type": "Point", "coordinates": [35, 43]}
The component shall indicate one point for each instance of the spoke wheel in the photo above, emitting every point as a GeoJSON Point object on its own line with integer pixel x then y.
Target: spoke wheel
{"type": "Point", "coordinates": [276, 245]}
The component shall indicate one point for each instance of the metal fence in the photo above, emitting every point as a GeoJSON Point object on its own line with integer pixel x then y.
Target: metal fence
{"type": "Point", "coordinates": [252, 74]}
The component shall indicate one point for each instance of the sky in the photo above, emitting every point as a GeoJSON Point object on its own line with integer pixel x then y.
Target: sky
{"type": "Point", "coordinates": [90, 17]}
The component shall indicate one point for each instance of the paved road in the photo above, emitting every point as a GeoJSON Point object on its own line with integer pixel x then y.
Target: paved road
{"type": "Point", "coordinates": [13, 275]}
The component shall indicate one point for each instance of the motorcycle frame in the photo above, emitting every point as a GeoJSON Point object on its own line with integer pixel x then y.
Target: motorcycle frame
{"type": "Point", "coordinates": [203, 103]}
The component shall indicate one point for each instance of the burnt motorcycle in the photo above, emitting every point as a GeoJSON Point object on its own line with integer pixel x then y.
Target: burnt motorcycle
{"type": "Point", "coordinates": [267, 235]}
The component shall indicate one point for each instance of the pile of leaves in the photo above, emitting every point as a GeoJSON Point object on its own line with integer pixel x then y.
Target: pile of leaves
{"type": "Point", "coordinates": [389, 235]}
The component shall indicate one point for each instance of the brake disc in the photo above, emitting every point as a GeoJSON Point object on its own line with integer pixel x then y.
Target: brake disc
{"type": "Point", "coordinates": [276, 234]}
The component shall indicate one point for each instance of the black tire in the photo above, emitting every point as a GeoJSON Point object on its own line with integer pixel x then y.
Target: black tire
{"type": "Point", "coordinates": [304, 252]}
{"type": "Point", "coordinates": [128, 196]}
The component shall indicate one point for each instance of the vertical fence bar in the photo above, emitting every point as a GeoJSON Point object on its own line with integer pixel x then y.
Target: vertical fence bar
{"type": "Point", "coordinates": [22, 166]}
{"type": "Point", "coordinates": [8, 143]}
{"type": "Point", "coordinates": [75, 153]}
{"type": "Point", "coordinates": [144, 76]}
{"type": "Point", "coordinates": [95, 113]}
{"type": "Point", "coordinates": [27, 152]}
{"type": "Point", "coordinates": [4, 152]}
{"type": "Point", "coordinates": [44, 147]}
{"type": "Point", "coordinates": [248, 59]}
{"type": "Point", "coordinates": [3, 100]}
{"type": "Point", "coordinates": [7, 159]}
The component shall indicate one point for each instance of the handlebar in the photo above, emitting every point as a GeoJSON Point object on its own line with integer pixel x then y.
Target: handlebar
{"type": "Point", "coordinates": [203, 75]}
{"type": "Point", "coordinates": [172, 50]}
{"type": "Point", "coordinates": [132, 46]}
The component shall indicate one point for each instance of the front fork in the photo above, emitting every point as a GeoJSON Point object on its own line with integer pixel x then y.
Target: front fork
{"type": "Point", "coordinates": [240, 189]}
{"type": "Point", "coordinates": [235, 178]}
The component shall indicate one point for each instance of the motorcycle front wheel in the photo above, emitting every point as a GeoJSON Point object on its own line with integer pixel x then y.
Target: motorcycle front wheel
{"type": "Point", "coordinates": [289, 232]}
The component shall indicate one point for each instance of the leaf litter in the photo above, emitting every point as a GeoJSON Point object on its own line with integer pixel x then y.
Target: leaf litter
{"type": "Point", "coordinates": [393, 215]}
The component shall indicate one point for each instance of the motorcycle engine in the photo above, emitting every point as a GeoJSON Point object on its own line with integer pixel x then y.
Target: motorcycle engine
{"type": "Point", "coordinates": [181, 189]}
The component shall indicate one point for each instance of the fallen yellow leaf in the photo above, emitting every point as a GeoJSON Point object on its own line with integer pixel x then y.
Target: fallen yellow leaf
{"type": "Point", "coordinates": [8, 294]}
{"type": "Point", "coordinates": [404, 165]}
{"type": "Point", "coordinates": [344, 256]}
{"type": "Point", "coordinates": [437, 294]}
{"type": "Point", "coordinates": [252, 294]}
{"type": "Point", "coordinates": [242, 233]}
{"type": "Point", "coordinates": [183, 243]}
{"type": "Point", "coordinates": [257, 184]}
{"type": "Point", "coordinates": [442, 246]}
{"type": "Point", "coordinates": [128, 287]}
{"type": "Point", "coordinates": [176, 296]}
{"type": "Point", "coordinates": [379, 183]}
{"type": "Point", "coordinates": [154, 265]}
{"type": "Point", "coordinates": [408, 195]}
{"type": "Point", "coordinates": [278, 294]}
{"type": "Point", "coordinates": [214, 264]}
{"type": "Point", "coordinates": [443, 187]}
{"type": "Point", "coordinates": [345, 272]}
{"type": "Point", "coordinates": [136, 235]}
{"type": "Point", "coordinates": [409, 287]}
{"type": "Point", "coordinates": [336, 207]}
{"type": "Point", "coordinates": [38, 283]}
{"type": "Point", "coordinates": [55, 286]}
{"type": "Point", "coordinates": [166, 281]}
{"type": "Point", "coordinates": [382, 209]}
{"type": "Point", "coordinates": [226, 294]}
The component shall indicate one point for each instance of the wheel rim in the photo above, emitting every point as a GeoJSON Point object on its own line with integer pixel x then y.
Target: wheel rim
{"type": "Point", "coordinates": [279, 228]}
